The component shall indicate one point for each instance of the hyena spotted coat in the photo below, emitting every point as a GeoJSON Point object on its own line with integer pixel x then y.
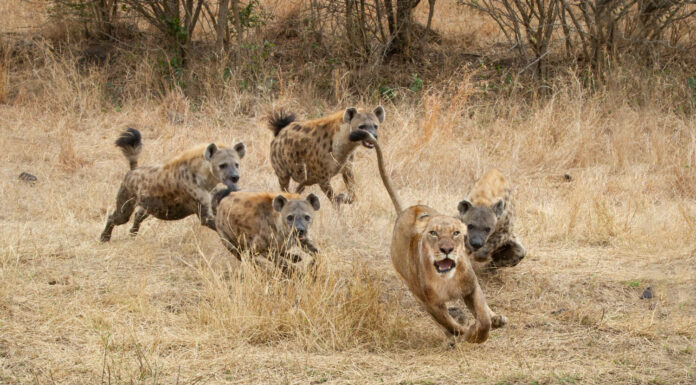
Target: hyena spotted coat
{"type": "Point", "coordinates": [314, 151]}
{"type": "Point", "coordinates": [265, 223]}
{"type": "Point", "coordinates": [489, 216]}
{"type": "Point", "coordinates": [174, 190]}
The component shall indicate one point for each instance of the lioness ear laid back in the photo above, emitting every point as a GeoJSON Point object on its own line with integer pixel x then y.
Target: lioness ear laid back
{"type": "Point", "coordinates": [279, 202]}
{"type": "Point", "coordinates": [210, 151]}
{"type": "Point", "coordinates": [241, 149]}
{"type": "Point", "coordinates": [314, 201]}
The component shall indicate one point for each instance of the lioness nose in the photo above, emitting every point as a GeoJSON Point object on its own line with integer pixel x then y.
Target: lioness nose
{"type": "Point", "coordinates": [446, 249]}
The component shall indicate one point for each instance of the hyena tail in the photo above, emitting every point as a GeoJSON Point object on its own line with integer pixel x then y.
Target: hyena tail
{"type": "Point", "coordinates": [218, 196]}
{"type": "Point", "coordinates": [130, 143]}
{"type": "Point", "coordinates": [279, 120]}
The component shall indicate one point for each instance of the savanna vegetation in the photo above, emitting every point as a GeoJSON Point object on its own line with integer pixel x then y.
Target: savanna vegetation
{"type": "Point", "coordinates": [587, 106]}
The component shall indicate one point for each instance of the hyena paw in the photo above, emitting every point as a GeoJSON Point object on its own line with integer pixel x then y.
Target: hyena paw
{"type": "Point", "coordinates": [498, 321]}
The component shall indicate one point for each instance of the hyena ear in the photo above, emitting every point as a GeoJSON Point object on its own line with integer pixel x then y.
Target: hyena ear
{"type": "Point", "coordinates": [379, 112]}
{"type": "Point", "coordinates": [498, 208]}
{"type": "Point", "coordinates": [241, 149]}
{"type": "Point", "coordinates": [314, 201]}
{"type": "Point", "coordinates": [210, 151]}
{"type": "Point", "coordinates": [349, 114]}
{"type": "Point", "coordinates": [464, 206]}
{"type": "Point", "coordinates": [279, 202]}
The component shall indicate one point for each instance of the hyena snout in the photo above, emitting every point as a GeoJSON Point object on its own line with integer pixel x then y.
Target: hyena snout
{"type": "Point", "coordinates": [476, 242]}
{"type": "Point", "coordinates": [231, 180]}
{"type": "Point", "coordinates": [300, 229]}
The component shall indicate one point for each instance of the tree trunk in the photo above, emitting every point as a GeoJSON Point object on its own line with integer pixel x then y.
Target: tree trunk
{"type": "Point", "coordinates": [431, 12]}
{"type": "Point", "coordinates": [402, 39]}
{"type": "Point", "coordinates": [350, 22]}
{"type": "Point", "coordinates": [172, 20]}
{"type": "Point", "coordinates": [237, 22]}
{"type": "Point", "coordinates": [221, 26]}
{"type": "Point", "coordinates": [391, 21]}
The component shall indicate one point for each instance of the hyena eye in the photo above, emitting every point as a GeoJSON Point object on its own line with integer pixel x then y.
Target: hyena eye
{"type": "Point", "coordinates": [470, 227]}
{"type": "Point", "coordinates": [223, 166]}
{"type": "Point", "coordinates": [236, 165]}
{"type": "Point", "coordinates": [307, 218]}
{"type": "Point", "coordinates": [487, 229]}
{"type": "Point", "coordinates": [456, 233]}
{"type": "Point", "coordinates": [433, 233]}
{"type": "Point", "coordinates": [290, 218]}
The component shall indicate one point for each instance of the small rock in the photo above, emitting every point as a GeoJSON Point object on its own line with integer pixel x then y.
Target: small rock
{"type": "Point", "coordinates": [559, 311]}
{"type": "Point", "coordinates": [647, 293]}
{"type": "Point", "coordinates": [25, 176]}
{"type": "Point", "coordinates": [567, 177]}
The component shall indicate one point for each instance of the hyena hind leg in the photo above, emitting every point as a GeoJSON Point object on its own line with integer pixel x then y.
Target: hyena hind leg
{"type": "Point", "coordinates": [125, 204]}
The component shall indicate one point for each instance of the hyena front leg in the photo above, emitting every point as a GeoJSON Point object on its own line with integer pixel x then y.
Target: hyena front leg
{"type": "Point", "coordinates": [328, 190]}
{"type": "Point", "coordinates": [204, 209]}
{"type": "Point", "coordinates": [138, 218]}
{"type": "Point", "coordinates": [349, 180]}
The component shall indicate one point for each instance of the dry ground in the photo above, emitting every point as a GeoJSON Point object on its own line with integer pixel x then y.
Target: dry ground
{"type": "Point", "coordinates": [171, 306]}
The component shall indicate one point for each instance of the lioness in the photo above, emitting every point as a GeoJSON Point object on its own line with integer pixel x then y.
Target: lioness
{"type": "Point", "coordinates": [429, 253]}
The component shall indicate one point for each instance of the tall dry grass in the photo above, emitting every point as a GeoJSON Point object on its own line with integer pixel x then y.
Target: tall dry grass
{"type": "Point", "coordinates": [172, 306]}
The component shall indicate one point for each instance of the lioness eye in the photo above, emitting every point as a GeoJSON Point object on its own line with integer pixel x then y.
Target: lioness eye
{"type": "Point", "coordinates": [433, 233]}
{"type": "Point", "coordinates": [456, 233]}
{"type": "Point", "coordinates": [290, 218]}
{"type": "Point", "coordinates": [307, 217]}
{"type": "Point", "coordinates": [223, 166]}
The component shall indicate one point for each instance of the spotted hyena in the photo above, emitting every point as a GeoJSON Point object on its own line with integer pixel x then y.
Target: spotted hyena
{"type": "Point", "coordinates": [175, 189]}
{"type": "Point", "coordinates": [314, 151]}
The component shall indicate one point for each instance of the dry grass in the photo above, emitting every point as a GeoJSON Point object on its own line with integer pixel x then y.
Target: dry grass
{"type": "Point", "coordinates": [170, 306]}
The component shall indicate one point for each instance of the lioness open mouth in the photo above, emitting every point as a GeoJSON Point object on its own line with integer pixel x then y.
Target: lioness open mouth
{"type": "Point", "coordinates": [444, 265]}
{"type": "Point", "coordinates": [368, 144]}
